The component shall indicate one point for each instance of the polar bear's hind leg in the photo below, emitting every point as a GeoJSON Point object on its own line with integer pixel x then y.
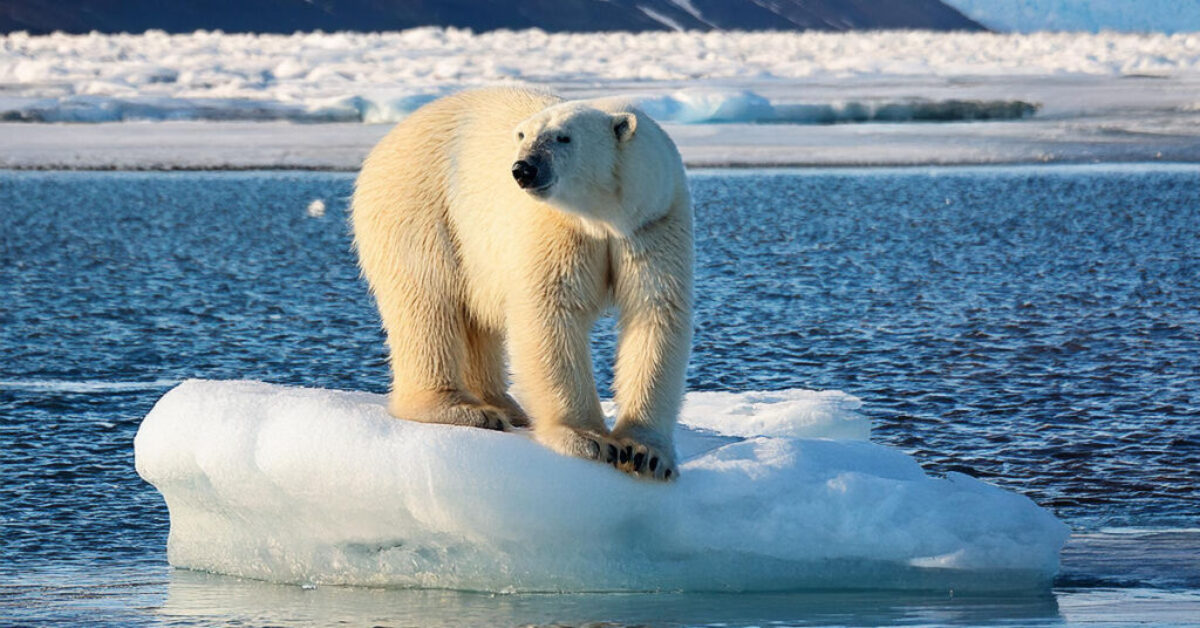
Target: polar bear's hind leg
{"type": "Point", "coordinates": [408, 260]}
{"type": "Point", "coordinates": [484, 373]}
{"type": "Point", "coordinates": [429, 364]}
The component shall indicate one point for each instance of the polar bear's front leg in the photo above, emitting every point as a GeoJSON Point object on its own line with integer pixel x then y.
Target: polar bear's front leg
{"type": "Point", "coordinates": [552, 367]}
{"type": "Point", "coordinates": [654, 293]}
{"type": "Point", "coordinates": [652, 355]}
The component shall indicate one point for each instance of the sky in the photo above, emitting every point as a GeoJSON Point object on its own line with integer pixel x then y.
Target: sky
{"type": "Point", "coordinates": [1169, 16]}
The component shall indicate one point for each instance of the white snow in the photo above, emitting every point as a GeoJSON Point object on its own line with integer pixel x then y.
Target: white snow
{"type": "Point", "coordinates": [1164, 16]}
{"type": "Point", "coordinates": [785, 413]}
{"type": "Point", "coordinates": [319, 486]}
{"type": "Point", "coordinates": [687, 5]}
{"type": "Point", "coordinates": [381, 77]}
{"type": "Point", "coordinates": [660, 18]}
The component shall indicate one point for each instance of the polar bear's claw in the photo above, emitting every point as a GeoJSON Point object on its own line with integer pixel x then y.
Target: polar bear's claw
{"type": "Point", "coordinates": [645, 461]}
{"type": "Point", "coordinates": [512, 411]}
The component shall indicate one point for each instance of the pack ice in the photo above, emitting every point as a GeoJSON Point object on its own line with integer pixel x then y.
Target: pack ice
{"type": "Point", "coordinates": [778, 491]}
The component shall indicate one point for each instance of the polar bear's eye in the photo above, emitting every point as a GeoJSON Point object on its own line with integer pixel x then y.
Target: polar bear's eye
{"type": "Point", "coordinates": [564, 139]}
{"type": "Point", "coordinates": [520, 135]}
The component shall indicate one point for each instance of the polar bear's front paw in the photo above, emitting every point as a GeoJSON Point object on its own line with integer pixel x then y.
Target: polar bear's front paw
{"type": "Point", "coordinates": [512, 410]}
{"type": "Point", "coordinates": [641, 456]}
{"type": "Point", "coordinates": [586, 444]}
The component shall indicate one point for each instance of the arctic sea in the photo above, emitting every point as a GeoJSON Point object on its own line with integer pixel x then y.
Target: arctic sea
{"type": "Point", "coordinates": [1036, 327]}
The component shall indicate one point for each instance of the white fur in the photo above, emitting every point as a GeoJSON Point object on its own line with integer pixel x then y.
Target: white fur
{"type": "Point", "coordinates": [463, 262]}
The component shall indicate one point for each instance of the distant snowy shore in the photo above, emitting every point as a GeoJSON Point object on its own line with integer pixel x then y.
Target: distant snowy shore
{"type": "Point", "coordinates": [213, 101]}
{"type": "Point", "coordinates": [342, 77]}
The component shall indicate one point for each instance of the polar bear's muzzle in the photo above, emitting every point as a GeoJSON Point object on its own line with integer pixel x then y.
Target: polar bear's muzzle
{"type": "Point", "coordinates": [532, 173]}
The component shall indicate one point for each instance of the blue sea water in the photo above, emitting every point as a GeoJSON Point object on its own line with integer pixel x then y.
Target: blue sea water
{"type": "Point", "coordinates": [1038, 327]}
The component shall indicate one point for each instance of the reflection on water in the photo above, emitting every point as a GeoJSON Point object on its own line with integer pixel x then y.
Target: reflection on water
{"type": "Point", "coordinates": [194, 595]}
{"type": "Point", "coordinates": [192, 598]}
{"type": "Point", "coordinates": [150, 595]}
{"type": "Point", "coordinates": [1115, 576]}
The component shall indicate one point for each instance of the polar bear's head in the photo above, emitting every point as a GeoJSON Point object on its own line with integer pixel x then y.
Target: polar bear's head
{"type": "Point", "coordinates": [569, 154]}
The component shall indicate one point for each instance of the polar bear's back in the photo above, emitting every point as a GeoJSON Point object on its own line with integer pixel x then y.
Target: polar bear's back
{"type": "Point", "coordinates": [442, 145]}
{"type": "Point", "coordinates": [436, 199]}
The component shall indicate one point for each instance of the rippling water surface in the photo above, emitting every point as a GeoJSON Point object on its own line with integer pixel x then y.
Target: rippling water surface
{"type": "Point", "coordinates": [1037, 327]}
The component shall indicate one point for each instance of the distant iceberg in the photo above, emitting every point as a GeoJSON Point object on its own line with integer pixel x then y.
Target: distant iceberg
{"type": "Point", "coordinates": [778, 491]}
{"type": "Point", "coordinates": [1029, 16]}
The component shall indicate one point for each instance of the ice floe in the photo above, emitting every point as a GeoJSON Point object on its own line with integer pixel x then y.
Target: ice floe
{"type": "Point", "coordinates": [779, 491]}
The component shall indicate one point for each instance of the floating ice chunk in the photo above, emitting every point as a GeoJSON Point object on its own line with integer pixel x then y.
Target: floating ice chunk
{"type": "Point", "coordinates": [692, 106]}
{"type": "Point", "coordinates": [319, 486]}
{"type": "Point", "coordinates": [316, 209]}
{"type": "Point", "coordinates": [786, 413]}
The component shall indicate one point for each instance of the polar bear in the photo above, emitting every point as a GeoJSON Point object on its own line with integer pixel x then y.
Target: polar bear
{"type": "Point", "coordinates": [510, 219]}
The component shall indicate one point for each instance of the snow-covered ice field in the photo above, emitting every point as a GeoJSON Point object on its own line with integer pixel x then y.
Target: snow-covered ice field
{"type": "Point", "coordinates": [381, 77]}
{"type": "Point", "coordinates": [223, 100]}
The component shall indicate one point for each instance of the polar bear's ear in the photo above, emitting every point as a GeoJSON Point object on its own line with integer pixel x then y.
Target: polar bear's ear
{"type": "Point", "coordinates": [624, 125]}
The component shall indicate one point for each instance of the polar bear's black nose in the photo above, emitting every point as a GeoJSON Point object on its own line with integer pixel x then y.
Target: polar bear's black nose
{"type": "Point", "coordinates": [525, 173]}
